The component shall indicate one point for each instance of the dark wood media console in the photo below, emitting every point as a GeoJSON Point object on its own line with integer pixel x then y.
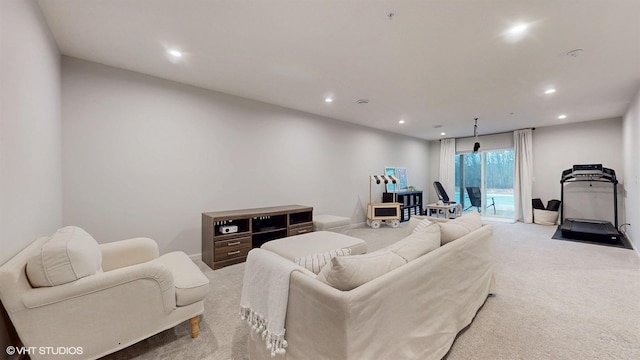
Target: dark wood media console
{"type": "Point", "coordinates": [227, 236]}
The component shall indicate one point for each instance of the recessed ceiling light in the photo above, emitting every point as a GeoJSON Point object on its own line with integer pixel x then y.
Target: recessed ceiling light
{"type": "Point", "coordinates": [401, 122]}
{"type": "Point", "coordinates": [563, 116]}
{"type": "Point", "coordinates": [518, 29]}
{"type": "Point", "coordinates": [516, 32]}
{"type": "Point", "coordinates": [550, 91]}
{"type": "Point", "coordinates": [443, 133]}
{"type": "Point", "coordinates": [175, 53]}
{"type": "Point", "coordinates": [328, 100]}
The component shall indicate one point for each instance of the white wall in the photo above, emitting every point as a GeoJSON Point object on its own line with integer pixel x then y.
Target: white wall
{"type": "Point", "coordinates": [30, 135]}
{"type": "Point", "coordinates": [631, 149]}
{"type": "Point", "coordinates": [144, 156]}
{"type": "Point", "coordinates": [557, 148]}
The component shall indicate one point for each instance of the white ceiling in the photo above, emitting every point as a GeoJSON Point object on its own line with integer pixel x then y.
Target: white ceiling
{"type": "Point", "coordinates": [437, 62]}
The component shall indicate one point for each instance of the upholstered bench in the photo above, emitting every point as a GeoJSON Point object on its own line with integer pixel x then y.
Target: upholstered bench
{"type": "Point", "coordinates": [326, 222]}
{"type": "Point", "coordinates": [314, 243]}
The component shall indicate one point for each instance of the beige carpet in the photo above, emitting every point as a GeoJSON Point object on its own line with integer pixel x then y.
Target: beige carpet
{"type": "Point", "coordinates": [556, 300]}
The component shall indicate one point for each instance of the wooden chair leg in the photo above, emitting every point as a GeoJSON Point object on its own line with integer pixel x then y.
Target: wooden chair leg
{"type": "Point", "coordinates": [195, 326]}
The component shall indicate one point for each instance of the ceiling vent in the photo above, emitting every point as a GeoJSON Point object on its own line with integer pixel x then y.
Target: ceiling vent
{"type": "Point", "coordinates": [575, 52]}
{"type": "Point", "coordinates": [362, 101]}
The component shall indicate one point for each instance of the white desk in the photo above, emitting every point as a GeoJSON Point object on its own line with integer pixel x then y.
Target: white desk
{"type": "Point", "coordinates": [448, 210]}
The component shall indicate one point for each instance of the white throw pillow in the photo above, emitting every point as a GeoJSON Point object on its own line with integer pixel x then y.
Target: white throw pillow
{"type": "Point", "coordinates": [70, 254]}
{"type": "Point", "coordinates": [348, 272]}
{"type": "Point", "coordinates": [414, 220]}
{"type": "Point", "coordinates": [422, 225]}
{"type": "Point", "coordinates": [457, 228]}
{"type": "Point", "coordinates": [418, 243]}
{"type": "Point", "coordinates": [315, 262]}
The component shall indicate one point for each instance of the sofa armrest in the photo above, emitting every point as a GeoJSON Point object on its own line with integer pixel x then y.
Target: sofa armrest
{"type": "Point", "coordinates": [106, 281]}
{"type": "Point", "coordinates": [119, 254]}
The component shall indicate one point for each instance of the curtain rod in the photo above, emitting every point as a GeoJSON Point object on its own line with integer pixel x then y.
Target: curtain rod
{"type": "Point", "coordinates": [497, 133]}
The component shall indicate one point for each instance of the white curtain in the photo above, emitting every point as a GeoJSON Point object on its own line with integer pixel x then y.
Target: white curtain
{"type": "Point", "coordinates": [448, 166]}
{"type": "Point", "coordinates": [523, 182]}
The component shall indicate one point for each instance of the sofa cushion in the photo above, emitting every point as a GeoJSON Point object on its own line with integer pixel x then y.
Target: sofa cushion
{"type": "Point", "coordinates": [315, 262]}
{"type": "Point", "coordinates": [70, 254]}
{"type": "Point", "coordinates": [459, 227]}
{"type": "Point", "coordinates": [348, 272]}
{"type": "Point", "coordinates": [190, 283]}
{"type": "Point", "coordinates": [418, 243]}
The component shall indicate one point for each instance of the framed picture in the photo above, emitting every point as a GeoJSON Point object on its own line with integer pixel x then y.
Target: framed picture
{"type": "Point", "coordinates": [388, 170]}
{"type": "Point", "coordinates": [401, 174]}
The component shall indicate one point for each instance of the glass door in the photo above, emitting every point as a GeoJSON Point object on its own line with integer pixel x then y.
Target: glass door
{"type": "Point", "coordinates": [484, 182]}
{"type": "Point", "coordinates": [468, 176]}
{"type": "Point", "coordinates": [498, 180]}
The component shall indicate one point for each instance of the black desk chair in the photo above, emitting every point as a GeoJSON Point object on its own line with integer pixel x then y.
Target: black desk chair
{"type": "Point", "coordinates": [475, 196]}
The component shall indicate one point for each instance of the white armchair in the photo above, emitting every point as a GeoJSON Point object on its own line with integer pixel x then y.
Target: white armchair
{"type": "Point", "coordinates": [68, 291]}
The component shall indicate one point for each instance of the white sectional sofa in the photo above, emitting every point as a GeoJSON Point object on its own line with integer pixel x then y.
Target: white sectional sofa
{"type": "Point", "coordinates": [414, 311]}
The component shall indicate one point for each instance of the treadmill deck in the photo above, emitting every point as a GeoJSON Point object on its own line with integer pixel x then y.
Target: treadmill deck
{"type": "Point", "coordinates": [589, 230]}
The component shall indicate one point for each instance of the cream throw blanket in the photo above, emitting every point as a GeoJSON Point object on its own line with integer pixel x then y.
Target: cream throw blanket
{"type": "Point", "coordinates": [265, 292]}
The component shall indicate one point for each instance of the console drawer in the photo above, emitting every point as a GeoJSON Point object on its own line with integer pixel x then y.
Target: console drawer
{"type": "Point", "coordinates": [230, 249]}
{"type": "Point", "coordinates": [300, 230]}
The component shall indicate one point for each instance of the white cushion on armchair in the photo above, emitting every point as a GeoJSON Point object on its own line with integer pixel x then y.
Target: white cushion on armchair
{"type": "Point", "coordinates": [70, 254]}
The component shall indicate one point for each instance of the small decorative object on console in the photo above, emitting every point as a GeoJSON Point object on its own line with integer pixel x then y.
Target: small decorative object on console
{"type": "Point", "coordinates": [228, 229]}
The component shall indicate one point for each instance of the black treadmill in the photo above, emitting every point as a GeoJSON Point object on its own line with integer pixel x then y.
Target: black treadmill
{"type": "Point", "coordinates": [586, 229]}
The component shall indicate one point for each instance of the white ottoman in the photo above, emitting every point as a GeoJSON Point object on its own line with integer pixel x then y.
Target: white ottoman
{"type": "Point", "coordinates": [314, 243]}
{"type": "Point", "coordinates": [326, 222]}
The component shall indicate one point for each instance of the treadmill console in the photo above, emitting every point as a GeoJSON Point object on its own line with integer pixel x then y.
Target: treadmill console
{"type": "Point", "coordinates": [589, 172]}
